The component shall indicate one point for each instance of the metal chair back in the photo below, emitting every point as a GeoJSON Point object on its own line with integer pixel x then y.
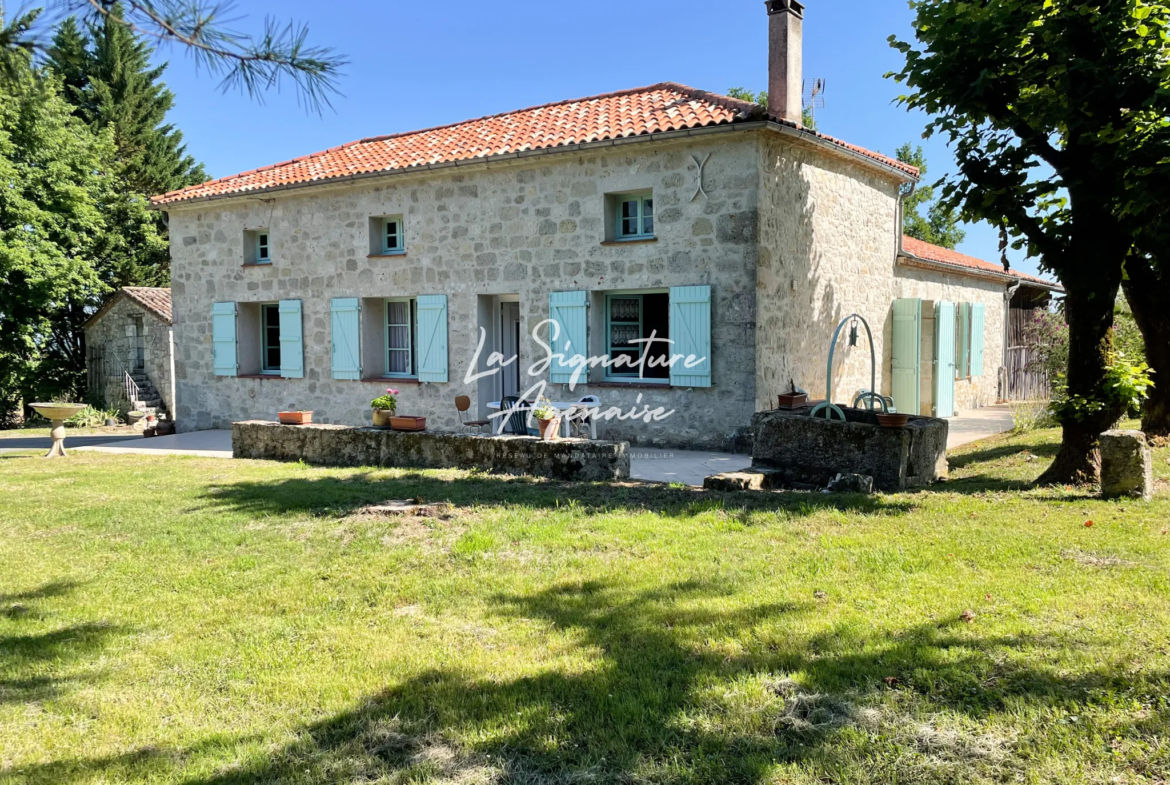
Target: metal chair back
{"type": "Point", "coordinates": [517, 424]}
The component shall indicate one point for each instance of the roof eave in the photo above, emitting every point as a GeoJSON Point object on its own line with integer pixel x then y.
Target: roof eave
{"type": "Point", "coordinates": [804, 136]}
{"type": "Point", "coordinates": [917, 261]}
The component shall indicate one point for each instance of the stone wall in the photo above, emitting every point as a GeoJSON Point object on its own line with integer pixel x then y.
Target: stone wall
{"type": "Point", "coordinates": [576, 460]}
{"type": "Point", "coordinates": [523, 228]}
{"type": "Point", "coordinates": [109, 334]}
{"type": "Point", "coordinates": [829, 240]}
{"type": "Point", "coordinates": [811, 450]}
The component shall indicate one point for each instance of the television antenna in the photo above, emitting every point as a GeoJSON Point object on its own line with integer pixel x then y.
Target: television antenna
{"type": "Point", "coordinates": [814, 96]}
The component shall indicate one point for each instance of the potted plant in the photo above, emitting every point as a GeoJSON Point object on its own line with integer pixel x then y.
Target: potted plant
{"type": "Point", "coordinates": [134, 417]}
{"type": "Point", "coordinates": [295, 418]}
{"type": "Point", "coordinates": [547, 417]}
{"type": "Point", "coordinates": [384, 408]}
{"type": "Point", "coordinates": [795, 398]}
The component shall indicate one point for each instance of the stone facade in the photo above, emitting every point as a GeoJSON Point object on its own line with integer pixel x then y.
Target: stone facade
{"type": "Point", "coordinates": [109, 352]}
{"type": "Point", "coordinates": [829, 240]}
{"type": "Point", "coordinates": [571, 460]}
{"type": "Point", "coordinates": [790, 238]}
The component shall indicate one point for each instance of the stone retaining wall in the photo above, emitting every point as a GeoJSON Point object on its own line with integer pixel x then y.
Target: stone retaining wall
{"type": "Point", "coordinates": [577, 460]}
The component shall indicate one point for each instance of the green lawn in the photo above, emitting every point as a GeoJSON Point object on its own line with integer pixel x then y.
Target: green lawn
{"type": "Point", "coordinates": [175, 620]}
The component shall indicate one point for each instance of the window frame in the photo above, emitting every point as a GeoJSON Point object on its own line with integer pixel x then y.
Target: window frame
{"type": "Point", "coordinates": [265, 369]}
{"type": "Point", "coordinates": [411, 337]}
{"type": "Point", "coordinates": [263, 246]}
{"type": "Point", "coordinates": [626, 374]}
{"type": "Point", "coordinates": [388, 250]}
{"type": "Point", "coordinates": [640, 198]}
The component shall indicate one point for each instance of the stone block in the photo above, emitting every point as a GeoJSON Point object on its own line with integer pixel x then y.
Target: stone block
{"type": "Point", "coordinates": [1127, 466]}
{"type": "Point", "coordinates": [851, 483]}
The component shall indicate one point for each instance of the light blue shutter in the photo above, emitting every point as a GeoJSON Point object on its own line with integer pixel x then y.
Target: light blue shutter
{"type": "Point", "coordinates": [432, 338]}
{"type": "Point", "coordinates": [944, 353]}
{"type": "Point", "coordinates": [223, 339]}
{"type": "Point", "coordinates": [569, 310]}
{"type": "Point", "coordinates": [344, 330]}
{"type": "Point", "coordinates": [690, 329]}
{"type": "Point", "coordinates": [292, 344]}
{"type": "Point", "coordinates": [978, 327]}
{"type": "Point", "coordinates": [963, 333]}
{"type": "Point", "coordinates": [906, 356]}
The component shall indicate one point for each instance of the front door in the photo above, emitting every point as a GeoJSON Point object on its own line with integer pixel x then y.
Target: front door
{"type": "Point", "coordinates": [510, 346]}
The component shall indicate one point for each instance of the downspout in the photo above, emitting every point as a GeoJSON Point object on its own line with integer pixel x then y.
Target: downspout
{"type": "Point", "coordinates": [171, 342]}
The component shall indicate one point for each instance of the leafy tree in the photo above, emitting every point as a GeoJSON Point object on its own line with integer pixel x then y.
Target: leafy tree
{"type": "Point", "coordinates": [251, 64]}
{"type": "Point", "coordinates": [1024, 89]}
{"type": "Point", "coordinates": [808, 118]}
{"type": "Point", "coordinates": [51, 226]}
{"type": "Point", "coordinates": [1147, 289]}
{"type": "Point", "coordinates": [940, 225]}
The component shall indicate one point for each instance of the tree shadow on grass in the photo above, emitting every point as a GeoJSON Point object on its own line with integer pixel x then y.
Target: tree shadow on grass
{"type": "Point", "coordinates": [340, 496]}
{"type": "Point", "coordinates": [35, 665]}
{"type": "Point", "coordinates": [665, 685]}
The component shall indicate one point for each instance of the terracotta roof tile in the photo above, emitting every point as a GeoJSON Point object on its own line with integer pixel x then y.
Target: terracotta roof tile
{"type": "Point", "coordinates": [940, 255]}
{"type": "Point", "coordinates": [153, 299]}
{"type": "Point", "coordinates": [648, 110]}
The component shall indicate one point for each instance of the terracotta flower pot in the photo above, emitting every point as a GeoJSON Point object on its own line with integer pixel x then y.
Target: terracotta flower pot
{"type": "Point", "coordinates": [295, 418]}
{"type": "Point", "coordinates": [408, 423]}
{"type": "Point", "coordinates": [791, 400]}
{"type": "Point", "coordinates": [548, 429]}
{"type": "Point", "coordinates": [382, 418]}
{"type": "Point", "coordinates": [893, 420]}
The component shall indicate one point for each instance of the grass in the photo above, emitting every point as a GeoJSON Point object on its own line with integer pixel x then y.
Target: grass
{"type": "Point", "coordinates": [177, 620]}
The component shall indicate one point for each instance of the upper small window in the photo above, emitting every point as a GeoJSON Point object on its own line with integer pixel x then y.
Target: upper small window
{"type": "Point", "coordinates": [262, 254]}
{"type": "Point", "coordinates": [635, 217]}
{"type": "Point", "coordinates": [257, 246]}
{"type": "Point", "coordinates": [392, 240]}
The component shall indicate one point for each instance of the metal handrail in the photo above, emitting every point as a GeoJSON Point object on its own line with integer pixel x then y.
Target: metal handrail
{"type": "Point", "coordinates": [130, 387]}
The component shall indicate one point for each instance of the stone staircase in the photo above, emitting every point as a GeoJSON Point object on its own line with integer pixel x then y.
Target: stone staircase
{"type": "Point", "coordinates": [149, 400]}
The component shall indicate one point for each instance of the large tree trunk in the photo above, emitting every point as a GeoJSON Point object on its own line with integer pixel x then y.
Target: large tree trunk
{"type": "Point", "coordinates": [1089, 310]}
{"type": "Point", "coordinates": [1149, 297]}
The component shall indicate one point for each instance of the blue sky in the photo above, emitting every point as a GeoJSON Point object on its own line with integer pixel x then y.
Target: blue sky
{"type": "Point", "coordinates": [414, 65]}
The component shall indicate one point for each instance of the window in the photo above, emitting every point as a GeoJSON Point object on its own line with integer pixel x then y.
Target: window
{"type": "Point", "coordinates": [270, 339]}
{"type": "Point", "coordinates": [392, 235]}
{"type": "Point", "coordinates": [401, 335]}
{"type": "Point", "coordinates": [387, 235]}
{"type": "Point", "coordinates": [257, 246]}
{"type": "Point", "coordinates": [635, 217]}
{"type": "Point", "coordinates": [631, 321]}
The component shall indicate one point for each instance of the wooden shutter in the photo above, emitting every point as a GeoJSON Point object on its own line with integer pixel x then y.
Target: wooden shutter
{"type": "Point", "coordinates": [345, 329]}
{"type": "Point", "coordinates": [223, 339]}
{"type": "Point", "coordinates": [906, 356]}
{"type": "Point", "coordinates": [432, 338]}
{"type": "Point", "coordinates": [292, 344]}
{"type": "Point", "coordinates": [944, 362]}
{"type": "Point", "coordinates": [570, 311]}
{"type": "Point", "coordinates": [690, 329]}
{"type": "Point", "coordinates": [963, 337]}
{"type": "Point", "coordinates": [978, 337]}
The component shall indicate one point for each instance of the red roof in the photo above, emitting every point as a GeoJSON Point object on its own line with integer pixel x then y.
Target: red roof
{"type": "Point", "coordinates": [647, 110]}
{"type": "Point", "coordinates": [949, 258]}
{"type": "Point", "coordinates": [153, 299]}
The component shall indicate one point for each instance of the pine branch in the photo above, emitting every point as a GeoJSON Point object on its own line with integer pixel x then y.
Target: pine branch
{"type": "Point", "coordinates": [248, 63]}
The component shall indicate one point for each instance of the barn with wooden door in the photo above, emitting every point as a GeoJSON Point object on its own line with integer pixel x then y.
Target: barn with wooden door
{"type": "Point", "coordinates": [949, 338]}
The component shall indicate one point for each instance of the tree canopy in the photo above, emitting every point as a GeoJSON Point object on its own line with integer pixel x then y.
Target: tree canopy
{"type": "Point", "coordinates": [940, 225]}
{"type": "Point", "coordinates": [1049, 108]}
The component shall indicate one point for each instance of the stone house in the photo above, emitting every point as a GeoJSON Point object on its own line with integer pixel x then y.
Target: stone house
{"type": "Point", "coordinates": [129, 345]}
{"type": "Point", "coordinates": [660, 213]}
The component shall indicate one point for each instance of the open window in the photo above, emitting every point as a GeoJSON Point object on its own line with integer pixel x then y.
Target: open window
{"type": "Point", "coordinates": [401, 320]}
{"type": "Point", "coordinates": [387, 235]}
{"type": "Point", "coordinates": [637, 324]}
{"type": "Point", "coordinates": [257, 246]}
{"type": "Point", "coordinates": [269, 339]}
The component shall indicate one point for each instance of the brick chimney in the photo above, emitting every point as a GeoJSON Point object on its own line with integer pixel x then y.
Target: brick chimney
{"type": "Point", "coordinates": [785, 58]}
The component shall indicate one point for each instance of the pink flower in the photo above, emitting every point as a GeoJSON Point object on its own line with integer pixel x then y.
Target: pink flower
{"type": "Point", "coordinates": [392, 391]}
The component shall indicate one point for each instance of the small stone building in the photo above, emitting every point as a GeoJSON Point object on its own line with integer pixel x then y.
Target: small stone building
{"type": "Point", "coordinates": [130, 351]}
{"type": "Point", "coordinates": [585, 227]}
